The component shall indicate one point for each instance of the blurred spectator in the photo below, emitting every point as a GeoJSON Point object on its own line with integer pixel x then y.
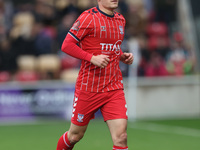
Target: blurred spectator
{"type": "Point", "coordinates": [144, 54]}
{"type": "Point", "coordinates": [63, 7]}
{"type": "Point", "coordinates": [21, 33]}
{"type": "Point", "coordinates": [44, 39]}
{"type": "Point", "coordinates": [123, 7]}
{"type": "Point", "coordinates": [156, 66]}
{"type": "Point", "coordinates": [149, 5]}
{"type": "Point", "coordinates": [45, 17]}
{"type": "Point", "coordinates": [163, 48]}
{"type": "Point", "coordinates": [22, 25]}
{"type": "Point", "coordinates": [7, 57]}
{"type": "Point", "coordinates": [6, 13]}
{"type": "Point", "coordinates": [2, 31]}
{"type": "Point", "coordinates": [180, 61]}
{"type": "Point", "coordinates": [64, 26]}
{"type": "Point", "coordinates": [86, 4]}
{"type": "Point", "coordinates": [137, 18]}
{"type": "Point", "coordinates": [44, 11]}
{"type": "Point", "coordinates": [165, 10]}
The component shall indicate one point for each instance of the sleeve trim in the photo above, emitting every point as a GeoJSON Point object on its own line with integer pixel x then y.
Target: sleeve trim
{"type": "Point", "coordinates": [74, 36]}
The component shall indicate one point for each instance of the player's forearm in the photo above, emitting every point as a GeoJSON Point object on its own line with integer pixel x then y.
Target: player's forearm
{"type": "Point", "coordinates": [71, 48]}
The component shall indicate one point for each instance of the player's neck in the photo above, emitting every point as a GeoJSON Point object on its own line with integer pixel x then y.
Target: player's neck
{"type": "Point", "coordinates": [107, 11]}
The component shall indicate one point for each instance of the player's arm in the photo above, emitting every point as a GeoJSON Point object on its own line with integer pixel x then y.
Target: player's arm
{"type": "Point", "coordinates": [71, 48]}
{"type": "Point", "coordinates": [127, 58]}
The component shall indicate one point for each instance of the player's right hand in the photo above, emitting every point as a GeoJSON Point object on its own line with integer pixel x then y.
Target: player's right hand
{"type": "Point", "coordinates": [100, 60]}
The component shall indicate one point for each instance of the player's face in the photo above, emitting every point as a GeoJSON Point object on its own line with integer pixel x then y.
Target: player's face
{"type": "Point", "coordinates": [109, 4]}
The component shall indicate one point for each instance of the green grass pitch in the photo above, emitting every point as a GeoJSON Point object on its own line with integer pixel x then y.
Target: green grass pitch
{"type": "Point", "coordinates": [142, 135]}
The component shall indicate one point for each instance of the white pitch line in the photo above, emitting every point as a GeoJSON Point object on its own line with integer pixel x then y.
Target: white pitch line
{"type": "Point", "coordinates": [166, 129]}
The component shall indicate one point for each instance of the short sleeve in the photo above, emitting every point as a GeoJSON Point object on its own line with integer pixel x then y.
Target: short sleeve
{"type": "Point", "coordinates": [82, 26]}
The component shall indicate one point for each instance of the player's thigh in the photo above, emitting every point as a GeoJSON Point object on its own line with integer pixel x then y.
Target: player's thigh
{"type": "Point", "coordinates": [117, 127]}
{"type": "Point", "coordinates": [115, 106]}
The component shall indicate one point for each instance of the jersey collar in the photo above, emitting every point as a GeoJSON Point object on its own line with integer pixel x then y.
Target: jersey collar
{"type": "Point", "coordinates": [105, 13]}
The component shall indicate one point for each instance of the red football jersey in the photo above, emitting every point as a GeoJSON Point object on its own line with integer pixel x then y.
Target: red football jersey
{"type": "Point", "coordinates": [99, 33]}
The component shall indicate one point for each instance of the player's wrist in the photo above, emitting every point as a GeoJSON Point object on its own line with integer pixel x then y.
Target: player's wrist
{"type": "Point", "coordinates": [88, 57]}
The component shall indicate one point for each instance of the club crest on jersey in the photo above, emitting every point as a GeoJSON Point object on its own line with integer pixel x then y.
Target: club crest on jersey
{"type": "Point", "coordinates": [121, 29]}
{"type": "Point", "coordinates": [103, 28]}
{"type": "Point", "coordinates": [76, 26]}
{"type": "Point", "coordinates": [80, 118]}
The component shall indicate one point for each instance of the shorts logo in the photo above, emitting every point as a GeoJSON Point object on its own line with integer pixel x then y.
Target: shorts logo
{"type": "Point", "coordinates": [103, 28]}
{"type": "Point", "coordinates": [76, 26]}
{"type": "Point", "coordinates": [121, 29]}
{"type": "Point", "coordinates": [80, 118]}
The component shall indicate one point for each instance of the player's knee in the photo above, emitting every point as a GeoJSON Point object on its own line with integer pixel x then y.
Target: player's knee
{"type": "Point", "coordinates": [76, 137]}
{"type": "Point", "coordinates": [121, 139]}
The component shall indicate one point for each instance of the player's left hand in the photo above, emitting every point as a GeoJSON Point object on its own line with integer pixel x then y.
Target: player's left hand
{"type": "Point", "coordinates": [127, 58]}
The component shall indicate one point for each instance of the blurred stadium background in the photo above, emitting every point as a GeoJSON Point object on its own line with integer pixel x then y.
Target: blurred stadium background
{"type": "Point", "coordinates": [162, 86]}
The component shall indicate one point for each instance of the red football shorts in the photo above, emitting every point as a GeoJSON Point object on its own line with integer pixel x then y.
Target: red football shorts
{"type": "Point", "coordinates": [112, 105]}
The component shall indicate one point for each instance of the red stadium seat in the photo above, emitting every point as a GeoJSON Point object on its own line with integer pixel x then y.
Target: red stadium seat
{"type": "Point", "coordinates": [69, 75]}
{"type": "Point", "coordinates": [68, 62]}
{"type": "Point", "coordinates": [4, 76]}
{"type": "Point", "coordinates": [48, 66]}
{"type": "Point", "coordinates": [152, 71]}
{"type": "Point", "coordinates": [156, 41]}
{"type": "Point", "coordinates": [25, 76]}
{"type": "Point", "coordinates": [157, 29]}
{"type": "Point", "coordinates": [27, 63]}
{"type": "Point", "coordinates": [152, 43]}
{"type": "Point", "coordinates": [177, 36]}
